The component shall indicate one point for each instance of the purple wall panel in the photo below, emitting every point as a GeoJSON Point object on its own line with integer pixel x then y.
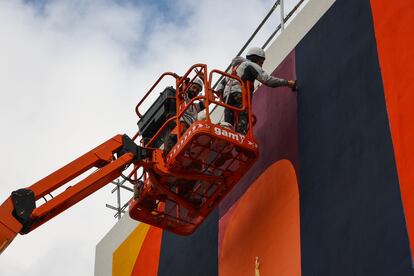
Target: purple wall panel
{"type": "Point", "coordinates": [275, 130]}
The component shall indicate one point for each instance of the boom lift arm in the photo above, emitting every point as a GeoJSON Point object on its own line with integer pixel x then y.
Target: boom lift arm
{"type": "Point", "coordinates": [19, 214]}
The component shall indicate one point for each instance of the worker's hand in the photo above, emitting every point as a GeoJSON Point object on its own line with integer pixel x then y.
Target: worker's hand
{"type": "Point", "coordinates": [293, 85]}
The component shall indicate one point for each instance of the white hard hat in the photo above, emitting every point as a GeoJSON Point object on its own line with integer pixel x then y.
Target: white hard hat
{"type": "Point", "coordinates": [256, 51]}
{"type": "Point", "coordinates": [199, 82]}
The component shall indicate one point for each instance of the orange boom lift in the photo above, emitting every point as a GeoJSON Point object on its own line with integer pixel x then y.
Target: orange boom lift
{"type": "Point", "coordinates": [178, 189]}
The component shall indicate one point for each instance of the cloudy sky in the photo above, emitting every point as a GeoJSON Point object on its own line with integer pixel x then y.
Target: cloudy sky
{"type": "Point", "coordinates": [71, 73]}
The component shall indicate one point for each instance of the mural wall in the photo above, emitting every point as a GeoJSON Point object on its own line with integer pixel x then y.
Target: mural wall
{"type": "Point", "coordinates": [352, 219]}
{"type": "Point", "coordinates": [332, 191]}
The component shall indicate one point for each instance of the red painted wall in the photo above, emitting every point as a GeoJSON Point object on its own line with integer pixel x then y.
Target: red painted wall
{"type": "Point", "coordinates": [393, 22]}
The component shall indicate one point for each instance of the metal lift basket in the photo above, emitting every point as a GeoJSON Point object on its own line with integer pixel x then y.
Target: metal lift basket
{"type": "Point", "coordinates": [185, 185]}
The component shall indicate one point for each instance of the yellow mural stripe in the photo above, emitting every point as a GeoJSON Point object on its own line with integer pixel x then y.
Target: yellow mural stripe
{"type": "Point", "coordinates": [124, 257]}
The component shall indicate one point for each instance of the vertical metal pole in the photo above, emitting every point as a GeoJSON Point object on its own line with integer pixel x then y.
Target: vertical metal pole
{"type": "Point", "coordinates": [282, 15]}
{"type": "Point", "coordinates": [118, 195]}
{"type": "Point", "coordinates": [207, 93]}
{"type": "Point", "coordinates": [178, 105]}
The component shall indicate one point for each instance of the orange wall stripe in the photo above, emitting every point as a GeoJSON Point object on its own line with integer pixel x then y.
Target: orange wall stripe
{"type": "Point", "coordinates": [149, 256]}
{"type": "Point", "coordinates": [393, 23]}
{"type": "Point", "coordinates": [124, 257]}
{"type": "Point", "coordinates": [265, 222]}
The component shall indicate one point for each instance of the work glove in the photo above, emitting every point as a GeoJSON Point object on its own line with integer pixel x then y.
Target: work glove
{"type": "Point", "coordinates": [293, 85]}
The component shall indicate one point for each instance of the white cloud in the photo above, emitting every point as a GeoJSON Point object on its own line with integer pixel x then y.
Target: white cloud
{"type": "Point", "coordinates": [71, 73]}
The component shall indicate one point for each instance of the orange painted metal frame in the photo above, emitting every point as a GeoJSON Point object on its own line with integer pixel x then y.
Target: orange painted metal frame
{"type": "Point", "coordinates": [211, 173]}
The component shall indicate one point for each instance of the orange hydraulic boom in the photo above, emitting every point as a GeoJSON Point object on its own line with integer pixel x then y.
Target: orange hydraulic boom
{"type": "Point", "coordinates": [179, 188]}
{"type": "Point", "coordinates": [19, 214]}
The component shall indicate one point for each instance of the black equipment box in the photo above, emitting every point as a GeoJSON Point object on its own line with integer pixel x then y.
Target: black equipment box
{"type": "Point", "coordinates": [159, 112]}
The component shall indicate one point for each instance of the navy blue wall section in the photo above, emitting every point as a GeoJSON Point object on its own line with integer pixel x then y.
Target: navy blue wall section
{"type": "Point", "coordinates": [196, 254]}
{"type": "Point", "coordinates": [352, 220]}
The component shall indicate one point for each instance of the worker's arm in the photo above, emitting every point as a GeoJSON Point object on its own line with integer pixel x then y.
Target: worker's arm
{"type": "Point", "coordinates": [201, 106]}
{"type": "Point", "coordinates": [254, 71]}
{"type": "Point", "coordinates": [251, 71]}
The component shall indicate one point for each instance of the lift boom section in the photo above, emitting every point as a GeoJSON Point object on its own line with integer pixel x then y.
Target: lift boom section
{"type": "Point", "coordinates": [178, 189]}
{"type": "Point", "coordinates": [19, 214]}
